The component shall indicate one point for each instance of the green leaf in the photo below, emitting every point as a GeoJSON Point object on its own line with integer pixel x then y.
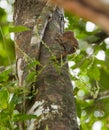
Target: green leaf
{"type": "Point", "coordinates": [5, 120]}
{"type": "Point", "coordinates": [33, 64]}
{"type": "Point", "coordinates": [18, 29]}
{"type": "Point", "coordinates": [4, 98]}
{"type": "Point", "coordinates": [78, 108]}
{"type": "Point", "coordinates": [94, 73]}
{"type": "Point", "coordinates": [31, 76]}
{"type": "Point", "coordinates": [47, 128]}
{"type": "Point", "coordinates": [104, 80]}
{"type": "Point", "coordinates": [4, 75]}
{"type": "Point", "coordinates": [23, 117]}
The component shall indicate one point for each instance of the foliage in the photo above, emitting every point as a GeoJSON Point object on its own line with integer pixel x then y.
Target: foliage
{"type": "Point", "coordinates": [10, 96]}
{"type": "Point", "coordinates": [88, 73]}
{"type": "Point", "coordinates": [6, 44]}
{"type": "Point", "coordinates": [91, 78]}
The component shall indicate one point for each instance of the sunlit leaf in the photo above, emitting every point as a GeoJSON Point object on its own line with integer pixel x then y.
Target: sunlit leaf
{"type": "Point", "coordinates": [4, 98]}
{"type": "Point", "coordinates": [4, 75]}
{"type": "Point", "coordinates": [94, 72]}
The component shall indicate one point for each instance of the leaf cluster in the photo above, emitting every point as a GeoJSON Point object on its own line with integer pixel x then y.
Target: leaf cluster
{"type": "Point", "coordinates": [90, 74]}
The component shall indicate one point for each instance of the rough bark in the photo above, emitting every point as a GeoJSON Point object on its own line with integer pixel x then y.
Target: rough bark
{"type": "Point", "coordinates": [25, 14]}
{"type": "Point", "coordinates": [54, 102]}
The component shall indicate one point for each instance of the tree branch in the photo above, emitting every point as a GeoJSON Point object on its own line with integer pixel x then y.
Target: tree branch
{"type": "Point", "coordinates": [95, 11]}
{"type": "Point", "coordinates": [97, 38]}
{"type": "Point", "coordinates": [101, 95]}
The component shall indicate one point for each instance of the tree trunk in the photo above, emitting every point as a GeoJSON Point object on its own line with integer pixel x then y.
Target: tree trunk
{"type": "Point", "coordinates": [54, 102]}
